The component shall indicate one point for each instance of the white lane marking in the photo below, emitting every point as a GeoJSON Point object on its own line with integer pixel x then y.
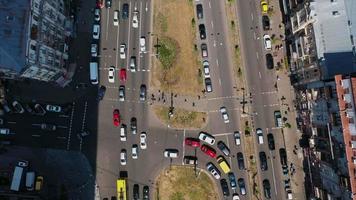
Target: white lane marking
{"type": "Point", "coordinates": [271, 105]}
{"type": "Point", "coordinates": [36, 136]}
{"type": "Point", "coordinates": [128, 40]}
{"type": "Point", "coordinates": [11, 122]}
{"type": "Point", "coordinates": [273, 174]}
{"type": "Point", "coordinates": [209, 5]}
{"type": "Point", "coordinates": [257, 55]}
{"type": "Point", "coordinates": [217, 62]}
{"type": "Point", "coordinates": [259, 74]}
{"type": "Point", "coordinates": [107, 24]}
{"type": "Point", "coordinates": [221, 134]}
{"type": "Point", "coordinates": [117, 46]}
{"type": "Point", "coordinates": [212, 24]}
{"type": "Point", "coordinates": [270, 92]}
{"type": "Point", "coordinates": [62, 126]}
{"type": "Point", "coordinates": [183, 147]}
{"type": "Point", "coordinates": [70, 126]}
{"type": "Point", "coordinates": [220, 81]}
{"type": "Point", "coordinates": [252, 16]}
{"type": "Point", "coordinates": [214, 43]}
{"type": "Point", "coordinates": [146, 7]}
{"type": "Point", "coordinates": [254, 35]}
{"type": "Point", "coordinates": [139, 32]}
{"type": "Point", "coordinates": [218, 98]}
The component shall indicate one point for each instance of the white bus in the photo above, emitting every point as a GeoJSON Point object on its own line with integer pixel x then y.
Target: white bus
{"type": "Point", "coordinates": [16, 179]}
{"type": "Point", "coordinates": [94, 73]}
{"type": "Point", "coordinates": [30, 181]}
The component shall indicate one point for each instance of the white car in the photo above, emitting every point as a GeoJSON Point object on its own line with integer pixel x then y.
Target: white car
{"type": "Point", "coordinates": [94, 50]}
{"type": "Point", "coordinates": [207, 138]}
{"type": "Point", "coordinates": [135, 19]}
{"type": "Point", "coordinates": [22, 163]}
{"type": "Point", "coordinates": [123, 157]}
{"type": "Point", "coordinates": [224, 115]}
{"type": "Point", "coordinates": [4, 131]}
{"type": "Point", "coordinates": [122, 51]}
{"type": "Point", "coordinates": [143, 137]}
{"type": "Point", "coordinates": [171, 153]}
{"type": "Point", "coordinates": [235, 197]}
{"type": "Point", "coordinates": [18, 107]}
{"type": "Point", "coordinates": [237, 137]}
{"type": "Point", "coordinates": [259, 134]}
{"type": "Point", "coordinates": [143, 44]}
{"type": "Point", "coordinates": [96, 31]}
{"type": "Point", "coordinates": [52, 108]}
{"type": "Point", "coordinates": [134, 151]}
{"type": "Point", "coordinates": [213, 170]}
{"type": "Point", "coordinates": [267, 41]}
{"type": "Point", "coordinates": [97, 14]}
{"type": "Point", "coordinates": [116, 18]}
{"type": "Point", "coordinates": [122, 93]}
{"type": "Point", "coordinates": [206, 69]}
{"type": "Point", "coordinates": [123, 132]}
{"type": "Point", "coordinates": [111, 75]}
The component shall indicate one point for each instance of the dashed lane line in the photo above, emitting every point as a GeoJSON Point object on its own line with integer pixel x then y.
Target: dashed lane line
{"type": "Point", "coordinates": [70, 126]}
{"type": "Point", "coordinates": [222, 134]}
{"type": "Point", "coordinates": [83, 125]}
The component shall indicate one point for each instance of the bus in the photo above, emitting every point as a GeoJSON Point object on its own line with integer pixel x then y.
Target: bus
{"type": "Point", "coordinates": [121, 189]}
{"type": "Point", "coordinates": [16, 179]}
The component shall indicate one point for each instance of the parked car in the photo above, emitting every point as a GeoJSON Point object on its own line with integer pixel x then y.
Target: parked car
{"type": "Point", "coordinates": [270, 140]}
{"type": "Point", "coordinates": [133, 125]}
{"type": "Point", "coordinates": [116, 117]}
{"type": "Point", "coordinates": [135, 19]}
{"type": "Point", "coordinates": [206, 69]}
{"type": "Point", "coordinates": [48, 127]}
{"type": "Point", "coordinates": [264, 7]}
{"type": "Point", "coordinates": [142, 44]}
{"type": "Point", "coordinates": [97, 14]}
{"type": "Point", "coordinates": [101, 92]}
{"type": "Point", "coordinates": [4, 131]}
{"type": "Point", "coordinates": [193, 142]}
{"type": "Point", "coordinates": [232, 180]}
{"type": "Point", "coordinates": [116, 18]}
{"type": "Point", "coordinates": [123, 132]}
{"type": "Point", "coordinates": [94, 50]}
{"type": "Point", "coordinates": [213, 170]}
{"type": "Point", "coordinates": [259, 134]}
{"type": "Point", "coordinates": [171, 153]}
{"type": "Point", "coordinates": [136, 192]}
{"type": "Point", "coordinates": [123, 75]}
{"type": "Point", "coordinates": [202, 31]}
{"type": "Point", "coordinates": [96, 31]}
{"type": "Point", "coordinates": [134, 151]}
{"type": "Point", "coordinates": [223, 148]}
{"type": "Point", "coordinates": [143, 137]}
{"type": "Point", "coordinates": [224, 114]}
{"type": "Point", "coordinates": [266, 188]}
{"type": "Point", "coordinates": [208, 85]}
{"type": "Point", "coordinates": [204, 50]}
{"type": "Point", "coordinates": [53, 108]}
{"type": "Point", "coordinates": [207, 138]}
{"type": "Point", "coordinates": [235, 196]}
{"type": "Point", "coordinates": [39, 109]}
{"type": "Point", "coordinates": [269, 61]}
{"type": "Point", "coordinates": [263, 161]}
{"type": "Point", "coordinates": [146, 193]}
{"type": "Point", "coordinates": [111, 74]}
{"type": "Point", "coordinates": [125, 11]}
{"type": "Point", "coordinates": [123, 157]}
{"type": "Point", "coordinates": [265, 23]}
{"type": "Point", "coordinates": [237, 137]}
{"type": "Point", "coordinates": [283, 156]}
{"type": "Point", "coordinates": [199, 11]}
{"type": "Point", "coordinates": [208, 150]}
{"type": "Point", "coordinates": [18, 107]}
{"type": "Point", "coordinates": [108, 4]}
{"type": "Point", "coordinates": [133, 64]}
{"type": "Point", "coordinates": [240, 161]}
{"type": "Point", "coordinates": [242, 186]}
{"type": "Point", "coordinates": [267, 42]}
{"type": "Point", "coordinates": [122, 93]}
{"type": "Point", "coordinates": [100, 3]}
{"type": "Point", "coordinates": [190, 160]}
{"type": "Point", "coordinates": [122, 51]}
{"type": "Point", "coordinates": [143, 92]}
{"type": "Point", "coordinates": [224, 187]}
{"type": "Point", "coordinates": [278, 119]}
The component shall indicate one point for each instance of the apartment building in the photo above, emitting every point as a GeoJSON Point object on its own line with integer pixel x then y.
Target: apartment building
{"type": "Point", "coordinates": [34, 40]}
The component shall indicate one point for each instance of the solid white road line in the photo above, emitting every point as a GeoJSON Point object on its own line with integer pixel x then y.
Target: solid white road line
{"type": "Point", "coordinates": [107, 24]}
{"type": "Point", "coordinates": [259, 74]}
{"type": "Point", "coordinates": [221, 134]}
{"type": "Point", "coordinates": [117, 47]}
{"type": "Point", "coordinates": [209, 5]}
{"type": "Point", "coordinates": [217, 62]}
{"type": "Point", "coordinates": [257, 55]}
{"type": "Point", "coordinates": [252, 16]}
{"type": "Point", "coordinates": [220, 81]}
{"type": "Point", "coordinates": [70, 126]}
{"type": "Point", "coordinates": [273, 174]}
{"type": "Point", "coordinates": [212, 25]}
{"type": "Point", "coordinates": [128, 40]}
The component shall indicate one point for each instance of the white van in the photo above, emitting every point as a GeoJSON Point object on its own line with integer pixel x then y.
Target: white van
{"type": "Point", "coordinates": [123, 133]}
{"type": "Point", "coordinates": [4, 131]}
{"type": "Point", "coordinates": [94, 73]}
{"type": "Point", "coordinates": [259, 134]}
{"type": "Point", "coordinates": [30, 180]}
{"type": "Point", "coordinates": [116, 18]}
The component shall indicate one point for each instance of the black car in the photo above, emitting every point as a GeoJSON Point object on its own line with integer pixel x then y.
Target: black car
{"type": "Point", "coordinates": [265, 22]}
{"type": "Point", "coordinates": [101, 92]}
{"type": "Point", "coordinates": [108, 4]}
{"type": "Point", "coordinates": [28, 108]}
{"type": "Point", "coordinates": [263, 161]}
{"type": "Point", "coordinates": [133, 125]}
{"type": "Point", "coordinates": [232, 180]}
{"type": "Point", "coordinates": [242, 186]}
{"type": "Point", "coordinates": [224, 187]}
{"type": "Point", "coordinates": [143, 92]}
{"type": "Point", "coordinates": [270, 140]}
{"type": "Point", "coordinates": [146, 193]}
{"type": "Point", "coordinates": [208, 85]}
{"type": "Point", "coordinates": [240, 160]}
{"type": "Point", "coordinates": [269, 61]}
{"type": "Point", "coordinates": [202, 31]}
{"type": "Point", "coordinates": [223, 148]}
{"type": "Point", "coordinates": [136, 192]}
{"type": "Point", "coordinates": [267, 188]}
{"type": "Point", "coordinates": [39, 110]}
{"type": "Point", "coordinates": [125, 11]}
{"type": "Point", "coordinates": [283, 156]}
{"type": "Point", "coordinates": [200, 11]}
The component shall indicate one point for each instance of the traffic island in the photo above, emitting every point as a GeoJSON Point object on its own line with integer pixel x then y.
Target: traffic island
{"type": "Point", "coordinates": [181, 118]}
{"type": "Point", "coordinates": [180, 182]}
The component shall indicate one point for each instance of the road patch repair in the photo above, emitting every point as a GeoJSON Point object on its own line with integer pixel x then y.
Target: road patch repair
{"type": "Point", "coordinates": [176, 68]}
{"type": "Point", "coordinates": [181, 183]}
{"type": "Point", "coordinates": [181, 119]}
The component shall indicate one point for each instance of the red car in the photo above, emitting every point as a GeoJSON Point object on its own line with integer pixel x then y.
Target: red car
{"type": "Point", "coordinates": [192, 142]}
{"type": "Point", "coordinates": [208, 150]}
{"type": "Point", "coordinates": [100, 3]}
{"type": "Point", "coordinates": [116, 117]}
{"type": "Point", "coordinates": [123, 75]}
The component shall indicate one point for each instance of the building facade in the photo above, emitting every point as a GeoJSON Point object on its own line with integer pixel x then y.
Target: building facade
{"type": "Point", "coordinates": [34, 40]}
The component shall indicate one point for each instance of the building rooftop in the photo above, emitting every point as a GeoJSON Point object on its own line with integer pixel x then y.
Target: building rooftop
{"type": "Point", "coordinates": [14, 33]}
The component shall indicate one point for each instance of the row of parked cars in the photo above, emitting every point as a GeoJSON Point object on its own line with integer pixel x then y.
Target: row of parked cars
{"type": "Point", "coordinates": [17, 107]}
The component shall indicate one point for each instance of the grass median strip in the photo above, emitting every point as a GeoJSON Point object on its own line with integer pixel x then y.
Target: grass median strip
{"type": "Point", "coordinates": [180, 183]}
{"type": "Point", "coordinates": [181, 118]}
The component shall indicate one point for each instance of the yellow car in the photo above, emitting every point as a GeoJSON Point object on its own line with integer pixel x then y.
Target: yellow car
{"type": "Point", "coordinates": [39, 183]}
{"type": "Point", "coordinates": [264, 6]}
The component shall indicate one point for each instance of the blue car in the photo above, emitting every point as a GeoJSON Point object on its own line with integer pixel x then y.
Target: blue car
{"type": "Point", "coordinates": [232, 180]}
